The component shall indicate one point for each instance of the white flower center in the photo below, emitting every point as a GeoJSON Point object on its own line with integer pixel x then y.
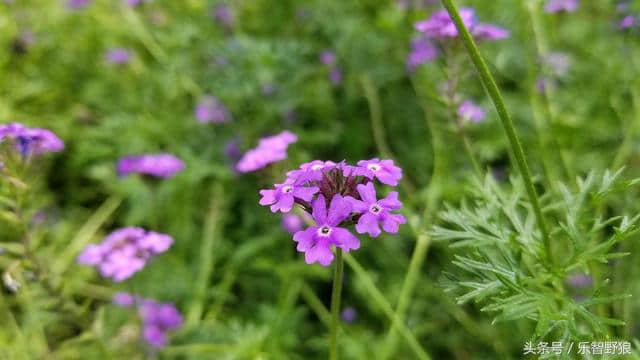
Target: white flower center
{"type": "Point", "coordinates": [324, 231]}
{"type": "Point", "coordinates": [375, 209]}
{"type": "Point", "coordinates": [373, 167]}
{"type": "Point", "coordinates": [287, 189]}
{"type": "Point", "coordinates": [317, 167]}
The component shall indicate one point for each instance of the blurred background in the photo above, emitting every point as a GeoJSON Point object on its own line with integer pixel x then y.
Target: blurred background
{"type": "Point", "coordinates": [205, 80]}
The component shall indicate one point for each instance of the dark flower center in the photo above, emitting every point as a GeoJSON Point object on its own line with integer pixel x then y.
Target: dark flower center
{"type": "Point", "coordinates": [375, 209]}
{"type": "Point", "coordinates": [324, 231]}
{"type": "Point", "coordinates": [287, 189]}
{"type": "Point", "coordinates": [373, 167]}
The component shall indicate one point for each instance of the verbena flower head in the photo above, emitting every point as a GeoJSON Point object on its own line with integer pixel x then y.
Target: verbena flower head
{"type": "Point", "coordinates": [118, 56]}
{"type": "Point", "coordinates": [554, 6]}
{"type": "Point", "coordinates": [269, 150]}
{"type": "Point", "coordinates": [124, 252]}
{"type": "Point", "coordinates": [30, 141]}
{"type": "Point", "coordinates": [337, 195]}
{"type": "Point", "coordinates": [468, 111]}
{"type": "Point", "coordinates": [440, 26]}
{"type": "Point", "coordinates": [157, 318]}
{"type": "Point", "coordinates": [211, 110]}
{"type": "Point", "coordinates": [422, 51]}
{"type": "Point", "coordinates": [158, 165]}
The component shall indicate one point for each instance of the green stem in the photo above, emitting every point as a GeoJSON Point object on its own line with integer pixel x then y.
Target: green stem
{"type": "Point", "coordinates": [491, 87]}
{"type": "Point", "coordinates": [336, 296]}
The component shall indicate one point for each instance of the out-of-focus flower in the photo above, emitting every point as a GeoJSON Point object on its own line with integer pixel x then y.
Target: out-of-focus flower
{"type": "Point", "coordinates": [375, 213]}
{"type": "Point", "coordinates": [268, 89]}
{"type": "Point", "coordinates": [211, 110]}
{"type": "Point", "coordinates": [124, 299]}
{"type": "Point", "coordinates": [554, 6]}
{"type": "Point", "coordinates": [335, 75]}
{"type": "Point", "coordinates": [422, 51]}
{"type": "Point", "coordinates": [580, 280]}
{"type": "Point", "coordinates": [328, 58]}
{"type": "Point", "coordinates": [349, 315]}
{"type": "Point", "coordinates": [118, 56]}
{"type": "Point", "coordinates": [77, 4]}
{"type": "Point", "coordinates": [269, 150]}
{"type": "Point", "coordinates": [628, 21]}
{"type": "Point", "coordinates": [132, 3]}
{"type": "Point", "coordinates": [124, 252]}
{"type": "Point", "coordinates": [292, 223]}
{"type": "Point", "coordinates": [469, 111]}
{"type": "Point", "coordinates": [158, 165]}
{"type": "Point", "coordinates": [30, 141]}
{"type": "Point", "coordinates": [223, 15]}
{"type": "Point", "coordinates": [158, 319]}
{"type": "Point", "coordinates": [440, 26]}
{"type": "Point", "coordinates": [232, 150]}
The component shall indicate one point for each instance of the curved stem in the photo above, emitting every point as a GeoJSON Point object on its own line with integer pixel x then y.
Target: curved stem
{"type": "Point", "coordinates": [491, 87]}
{"type": "Point", "coordinates": [336, 295]}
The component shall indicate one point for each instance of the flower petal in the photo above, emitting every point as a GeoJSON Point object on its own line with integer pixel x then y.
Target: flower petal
{"type": "Point", "coordinates": [390, 223]}
{"type": "Point", "coordinates": [320, 252]}
{"type": "Point", "coordinates": [344, 239]}
{"type": "Point", "coordinates": [305, 193]}
{"type": "Point", "coordinates": [319, 208]}
{"type": "Point", "coordinates": [368, 223]}
{"type": "Point", "coordinates": [305, 238]}
{"type": "Point", "coordinates": [391, 202]}
{"type": "Point", "coordinates": [367, 192]}
{"type": "Point", "coordinates": [268, 197]}
{"type": "Point", "coordinates": [284, 203]}
{"type": "Point", "coordinates": [339, 210]}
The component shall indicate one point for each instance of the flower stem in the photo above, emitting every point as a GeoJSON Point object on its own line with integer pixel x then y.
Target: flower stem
{"type": "Point", "coordinates": [491, 87]}
{"type": "Point", "coordinates": [336, 295]}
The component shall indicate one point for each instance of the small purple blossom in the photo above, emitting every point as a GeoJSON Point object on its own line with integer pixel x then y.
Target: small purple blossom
{"type": "Point", "coordinates": [440, 26]}
{"type": "Point", "coordinates": [118, 56]}
{"type": "Point", "coordinates": [335, 76]}
{"type": "Point", "coordinates": [30, 141]}
{"type": "Point", "coordinates": [124, 252]}
{"type": "Point", "coordinates": [77, 4]}
{"type": "Point", "coordinates": [316, 241]}
{"type": "Point", "coordinates": [349, 315]}
{"type": "Point", "coordinates": [269, 150]}
{"type": "Point", "coordinates": [554, 6]}
{"type": "Point", "coordinates": [384, 170]}
{"type": "Point", "coordinates": [328, 58]}
{"type": "Point", "coordinates": [469, 111]}
{"type": "Point", "coordinates": [223, 15]}
{"type": "Point", "coordinates": [211, 110]}
{"type": "Point", "coordinates": [124, 299]}
{"type": "Point", "coordinates": [158, 165]}
{"type": "Point", "coordinates": [627, 22]}
{"type": "Point", "coordinates": [292, 223]}
{"type": "Point", "coordinates": [284, 195]}
{"type": "Point", "coordinates": [157, 320]}
{"type": "Point", "coordinates": [422, 51]}
{"type": "Point", "coordinates": [375, 213]}
{"type": "Point", "coordinates": [580, 280]}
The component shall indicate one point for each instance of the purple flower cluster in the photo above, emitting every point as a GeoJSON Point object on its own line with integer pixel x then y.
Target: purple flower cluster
{"type": "Point", "coordinates": [269, 150]}
{"type": "Point", "coordinates": [124, 252]}
{"type": "Point", "coordinates": [30, 141]}
{"type": "Point", "coordinates": [211, 110]}
{"type": "Point", "coordinates": [555, 6]}
{"type": "Point", "coordinates": [351, 196]}
{"type": "Point", "coordinates": [468, 111]}
{"type": "Point", "coordinates": [422, 51]}
{"type": "Point", "coordinates": [118, 56]}
{"type": "Point", "coordinates": [158, 165]}
{"type": "Point", "coordinates": [440, 26]}
{"type": "Point", "coordinates": [328, 59]}
{"type": "Point", "coordinates": [157, 318]}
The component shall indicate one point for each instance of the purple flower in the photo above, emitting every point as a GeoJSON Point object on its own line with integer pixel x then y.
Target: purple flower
{"type": "Point", "coordinates": [157, 320]}
{"type": "Point", "coordinates": [232, 150]}
{"type": "Point", "coordinates": [440, 26]}
{"type": "Point", "coordinates": [554, 6]}
{"type": "Point", "coordinates": [223, 15]}
{"type": "Point", "coordinates": [328, 58]}
{"type": "Point", "coordinates": [316, 241]}
{"type": "Point", "coordinates": [311, 171]}
{"type": "Point", "coordinates": [422, 51]}
{"type": "Point", "coordinates": [489, 32]}
{"type": "Point", "coordinates": [211, 110]}
{"type": "Point", "coordinates": [349, 315]}
{"type": "Point", "coordinates": [284, 195]}
{"type": "Point", "coordinates": [469, 111]}
{"type": "Point", "coordinates": [30, 141]}
{"type": "Point", "coordinates": [292, 223]}
{"type": "Point", "coordinates": [124, 252]}
{"type": "Point", "coordinates": [77, 4]}
{"type": "Point", "coordinates": [118, 56]}
{"type": "Point", "coordinates": [335, 76]}
{"type": "Point", "coordinates": [158, 165]}
{"type": "Point", "coordinates": [627, 22]}
{"type": "Point", "coordinates": [384, 170]}
{"type": "Point", "coordinates": [580, 280]}
{"type": "Point", "coordinates": [376, 212]}
{"type": "Point", "coordinates": [124, 299]}
{"type": "Point", "coordinates": [269, 150]}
